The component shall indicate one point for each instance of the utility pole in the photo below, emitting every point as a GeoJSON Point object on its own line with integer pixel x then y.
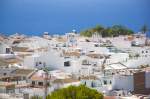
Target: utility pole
{"type": "Point", "coordinates": [103, 64]}
{"type": "Point", "coordinates": [46, 83]}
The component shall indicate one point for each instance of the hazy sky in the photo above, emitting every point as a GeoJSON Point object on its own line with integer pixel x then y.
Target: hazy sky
{"type": "Point", "coordinates": [60, 16]}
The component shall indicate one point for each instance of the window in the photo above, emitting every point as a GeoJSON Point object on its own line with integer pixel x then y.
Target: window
{"type": "Point", "coordinates": [84, 62]}
{"type": "Point", "coordinates": [36, 64]}
{"type": "Point", "coordinates": [33, 82]}
{"type": "Point", "coordinates": [5, 74]}
{"type": "Point", "coordinates": [105, 82]}
{"type": "Point", "coordinates": [96, 45]}
{"type": "Point", "coordinates": [44, 64]}
{"type": "Point", "coordinates": [8, 50]}
{"type": "Point", "coordinates": [24, 78]}
{"type": "Point", "coordinates": [40, 83]}
{"type": "Point", "coordinates": [95, 64]}
{"type": "Point", "coordinates": [91, 51]}
{"type": "Point", "coordinates": [92, 84]}
{"type": "Point", "coordinates": [110, 82]}
{"type": "Point", "coordinates": [85, 83]}
{"type": "Point", "coordinates": [48, 84]}
{"type": "Point", "coordinates": [67, 63]}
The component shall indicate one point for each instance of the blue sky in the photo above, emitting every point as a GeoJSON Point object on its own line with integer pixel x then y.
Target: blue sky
{"type": "Point", "coordinates": [60, 16]}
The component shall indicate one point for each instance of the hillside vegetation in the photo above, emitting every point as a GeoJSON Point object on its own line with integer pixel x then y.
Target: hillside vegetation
{"type": "Point", "coordinates": [115, 30]}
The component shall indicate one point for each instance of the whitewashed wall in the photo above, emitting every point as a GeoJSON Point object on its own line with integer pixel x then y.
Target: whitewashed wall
{"type": "Point", "coordinates": [123, 82]}
{"type": "Point", "coordinates": [29, 62]}
{"type": "Point", "coordinates": [147, 79]}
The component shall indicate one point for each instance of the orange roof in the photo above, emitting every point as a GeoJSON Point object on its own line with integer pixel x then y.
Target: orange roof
{"type": "Point", "coordinates": [95, 55]}
{"type": "Point", "coordinates": [39, 77]}
{"type": "Point", "coordinates": [61, 39]}
{"type": "Point", "coordinates": [36, 78]}
{"type": "Point", "coordinates": [7, 84]}
{"type": "Point", "coordinates": [89, 77]}
{"type": "Point", "coordinates": [68, 80]}
{"type": "Point", "coordinates": [109, 97]}
{"type": "Point", "coordinates": [72, 54]}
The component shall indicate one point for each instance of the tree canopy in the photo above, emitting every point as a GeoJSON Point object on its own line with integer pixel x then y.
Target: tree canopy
{"type": "Point", "coordinates": [36, 97]}
{"type": "Point", "coordinates": [115, 30]}
{"type": "Point", "coordinates": [75, 92]}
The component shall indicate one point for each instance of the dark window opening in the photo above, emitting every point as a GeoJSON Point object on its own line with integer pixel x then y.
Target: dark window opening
{"type": "Point", "coordinates": [84, 62]}
{"type": "Point", "coordinates": [110, 82]}
{"type": "Point", "coordinates": [96, 45]}
{"type": "Point", "coordinates": [8, 50]}
{"type": "Point", "coordinates": [36, 64]}
{"type": "Point", "coordinates": [24, 78]}
{"type": "Point", "coordinates": [92, 84]}
{"type": "Point", "coordinates": [91, 51]}
{"type": "Point", "coordinates": [48, 84]}
{"type": "Point", "coordinates": [33, 82]}
{"type": "Point", "coordinates": [105, 82]}
{"type": "Point", "coordinates": [44, 64]}
{"type": "Point", "coordinates": [67, 63]}
{"type": "Point", "coordinates": [5, 74]}
{"type": "Point", "coordinates": [40, 83]}
{"type": "Point", "coordinates": [85, 83]}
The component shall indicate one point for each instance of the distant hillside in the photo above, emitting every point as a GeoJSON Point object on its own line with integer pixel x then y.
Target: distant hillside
{"type": "Point", "coordinates": [115, 30]}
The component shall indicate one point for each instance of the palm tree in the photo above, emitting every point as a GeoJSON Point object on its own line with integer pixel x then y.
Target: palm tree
{"type": "Point", "coordinates": [46, 81]}
{"type": "Point", "coordinates": [144, 29]}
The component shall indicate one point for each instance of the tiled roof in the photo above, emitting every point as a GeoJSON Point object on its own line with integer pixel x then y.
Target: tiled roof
{"type": "Point", "coordinates": [89, 77]}
{"type": "Point", "coordinates": [24, 72]}
{"type": "Point", "coordinates": [72, 54]}
{"type": "Point", "coordinates": [95, 55]}
{"type": "Point", "coordinates": [20, 49]}
{"type": "Point", "coordinates": [68, 80]}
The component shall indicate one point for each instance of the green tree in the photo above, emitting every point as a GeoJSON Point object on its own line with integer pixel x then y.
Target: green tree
{"type": "Point", "coordinates": [89, 32]}
{"type": "Point", "coordinates": [36, 97]}
{"type": "Point", "coordinates": [108, 32]}
{"type": "Point", "coordinates": [129, 32]}
{"type": "Point", "coordinates": [75, 92]}
{"type": "Point", "coordinates": [115, 30]}
{"type": "Point", "coordinates": [86, 33]}
{"type": "Point", "coordinates": [98, 29]}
